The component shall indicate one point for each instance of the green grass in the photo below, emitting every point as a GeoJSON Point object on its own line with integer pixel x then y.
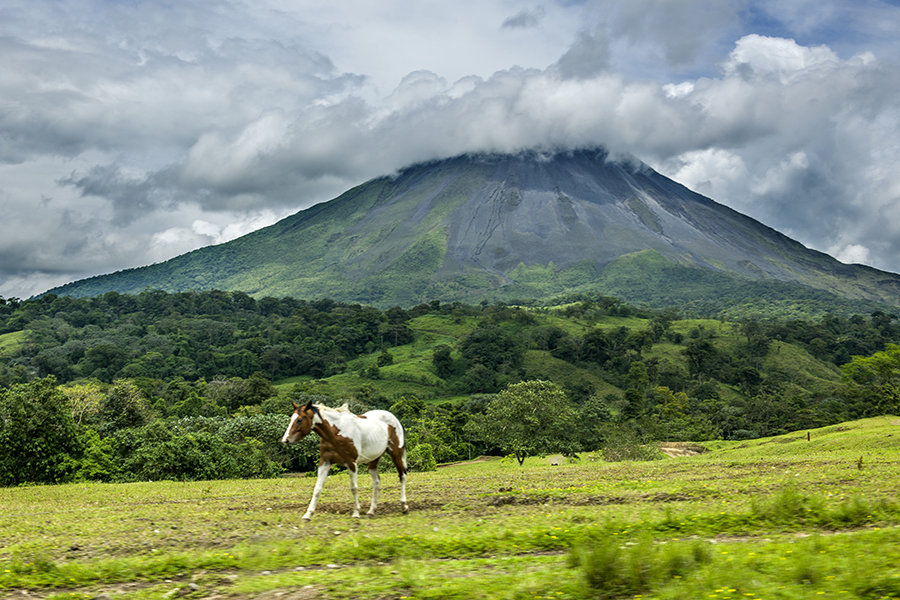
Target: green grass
{"type": "Point", "coordinates": [10, 342]}
{"type": "Point", "coordinates": [805, 371]}
{"type": "Point", "coordinates": [874, 439]}
{"type": "Point", "coordinates": [540, 364]}
{"type": "Point", "coordinates": [773, 518]}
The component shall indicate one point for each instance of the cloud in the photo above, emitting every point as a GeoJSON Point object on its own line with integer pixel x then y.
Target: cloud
{"type": "Point", "coordinates": [756, 56]}
{"type": "Point", "coordinates": [123, 142]}
{"type": "Point", "coordinates": [588, 57]}
{"type": "Point", "coordinates": [180, 239]}
{"type": "Point", "coordinates": [808, 128]}
{"type": "Point", "coordinates": [850, 253]}
{"type": "Point", "coordinates": [525, 19]}
{"type": "Point", "coordinates": [676, 31]}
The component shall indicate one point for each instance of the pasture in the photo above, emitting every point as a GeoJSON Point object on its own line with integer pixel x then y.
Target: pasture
{"type": "Point", "coordinates": [776, 518]}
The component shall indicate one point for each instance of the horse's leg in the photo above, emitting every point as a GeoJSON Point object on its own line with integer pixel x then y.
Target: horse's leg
{"type": "Point", "coordinates": [403, 504]}
{"type": "Point", "coordinates": [376, 485]}
{"type": "Point", "coordinates": [398, 455]}
{"type": "Point", "coordinates": [354, 474]}
{"type": "Point", "coordinates": [324, 468]}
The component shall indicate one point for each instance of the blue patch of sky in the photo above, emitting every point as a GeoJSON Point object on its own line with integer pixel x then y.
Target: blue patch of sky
{"type": "Point", "coordinates": [847, 27]}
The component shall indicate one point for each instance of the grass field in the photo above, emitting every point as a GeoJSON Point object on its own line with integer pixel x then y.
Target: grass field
{"type": "Point", "coordinates": [10, 342]}
{"type": "Point", "coordinates": [785, 517]}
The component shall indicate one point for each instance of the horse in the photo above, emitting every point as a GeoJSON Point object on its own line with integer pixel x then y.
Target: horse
{"type": "Point", "coordinates": [348, 439]}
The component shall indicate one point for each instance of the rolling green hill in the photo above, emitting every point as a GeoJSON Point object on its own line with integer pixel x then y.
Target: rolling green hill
{"type": "Point", "coordinates": [525, 226]}
{"type": "Point", "coordinates": [412, 371]}
{"type": "Point", "coordinates": [877, 438]}
{"type": "Point", "coordinates": [10, 342]}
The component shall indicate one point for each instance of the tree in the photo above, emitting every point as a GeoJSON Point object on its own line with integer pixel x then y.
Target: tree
{"type": "Point", "coordinates": [103, 361]}
{"type": "Point", "coordinates": [85, 399]}
{"type": "Point", "coordinates": [596, 347]}
{"type": "Point", "coordinates": [39, 440]}
{"type": "Point", "coordinates": [758, 341]}
{"type": "Point", "coordinates": [492, 347]}
{"type": "Point", "coordinates": [441, 428]}
{"type": "Point", "coordinates": [671, 411]}
{"type": "Point", "coordinates": [124, 406]}
{"type": "Point", "coordinates": [532, 417]}
{"type": "Point", "coordinates": [442, 361]}
{"type": "Point", "coordinates": [701, 355]}
{"type": "Point", "coordinates": [407, 408]}
{"type": "Point", "coordinates": [874, 381]}
{"type": "Point", "coordinates": [479, 380]}
{"type": "Point", "coordinates": [593, 417]}
{"type": "Point", "coordinates": [385, 358]}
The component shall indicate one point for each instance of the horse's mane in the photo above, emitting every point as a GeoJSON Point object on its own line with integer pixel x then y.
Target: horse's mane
{"type": "Point", "coordinates": [343, 408]}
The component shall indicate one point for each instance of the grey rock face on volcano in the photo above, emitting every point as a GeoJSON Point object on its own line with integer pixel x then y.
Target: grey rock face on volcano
{"type": "Point", "coordinates": [578, 206]}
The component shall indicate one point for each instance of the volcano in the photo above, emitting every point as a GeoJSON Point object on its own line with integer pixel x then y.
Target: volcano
{"type": "Point", "coordinates": [530, 225]}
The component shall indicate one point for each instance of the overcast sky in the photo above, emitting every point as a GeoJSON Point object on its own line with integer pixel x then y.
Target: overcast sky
{"type": "Point", "coordinates": [131, 132]}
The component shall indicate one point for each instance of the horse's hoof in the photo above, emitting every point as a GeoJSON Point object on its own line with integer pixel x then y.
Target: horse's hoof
{"type": "Point", "coordinates": [305, 519]}
{"type": "Point", "coordinates": [405, 508]}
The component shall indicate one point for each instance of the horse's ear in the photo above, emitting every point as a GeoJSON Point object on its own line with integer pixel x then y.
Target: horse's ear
{"type": "Point", "coordinates": [308, 406]}
{"type": "Point", "coordinates": [294, 404]}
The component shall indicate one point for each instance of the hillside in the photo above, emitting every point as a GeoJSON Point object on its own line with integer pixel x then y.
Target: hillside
{"type": "Point", "coordinates": [874, 438]}
{"type": "Point", "coordinates": [783, 385]}
{"type": "Point", "coordinates": [525, 226]}
{"type": "Point", "coordinates": [217, 354]}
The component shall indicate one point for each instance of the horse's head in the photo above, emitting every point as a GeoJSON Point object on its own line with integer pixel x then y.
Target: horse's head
{"type": "Point", "coordinates": [302, 422]}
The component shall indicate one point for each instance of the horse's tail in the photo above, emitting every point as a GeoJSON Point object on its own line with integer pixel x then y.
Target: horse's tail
{"type": "Point", "coordinates": [401, 438]}
{"type": "Point", "coordinates": [393, 422]}
{"type": "Point", "coordinates": [401, 435]}
{"type": "Point", "coordinates": [403, 449]}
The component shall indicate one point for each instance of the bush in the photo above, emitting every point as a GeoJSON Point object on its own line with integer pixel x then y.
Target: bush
{"type": "Point", "coordinates": [255, 462]}
{"type": "Point", "coordinates": [622, 443]}
{"type": "Point", "coordinates": [267, 429]}
{"type": "Point", "coordinates": [98, 461]}
{"type": "Point", "coordinates": [172, 451]}
{"type": "Point", "coordinates": [39, 441]}
{"type": "Point", "coordinates": [192, 456]}
{"type": "Point", "coordinates": [612, 570]}
{"type": "Point", "coordinates": [421, 458]}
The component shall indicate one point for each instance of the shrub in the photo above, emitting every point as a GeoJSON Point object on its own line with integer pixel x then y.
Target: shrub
{"type": "Point", "coordinates": [421, 458]}
{"type": "Point", "coordinates": [193, 449]}
{"type": "Point", "coordinates": [612, 570]}
{"type": "Point", "coordinates": [98, 461]}
{"type": "Point", "coordinates": [39, 441]}
{"type": "Point", "coordinates": [267, 429]}
{"type": "Point", "coordinates": [622, 443]}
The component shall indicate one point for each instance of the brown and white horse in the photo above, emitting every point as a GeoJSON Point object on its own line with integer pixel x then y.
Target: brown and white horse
{"type": "Point", "coordinates": [348, 439]}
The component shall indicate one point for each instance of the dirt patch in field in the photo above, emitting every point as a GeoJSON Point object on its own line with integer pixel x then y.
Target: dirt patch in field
{"type": "Point", "coordinates": [574, 500]}
{"type": "Point", "coordinates": [341, 508]}
{"type": "Point", "coordinates": [305, 593]}
{"type": "Point", "coordinates": [480, 459]}
{"type": "Point", "coordinates": [676, 449]}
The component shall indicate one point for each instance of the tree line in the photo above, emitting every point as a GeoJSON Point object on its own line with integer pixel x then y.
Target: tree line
{"type": "Point", "coordinates": [180, 386]}
{"type": "Point", "coordinates": [191, 335]}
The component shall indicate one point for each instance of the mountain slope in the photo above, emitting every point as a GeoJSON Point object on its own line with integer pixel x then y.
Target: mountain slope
{"type": "Point", "coordinates": [528, 225]}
